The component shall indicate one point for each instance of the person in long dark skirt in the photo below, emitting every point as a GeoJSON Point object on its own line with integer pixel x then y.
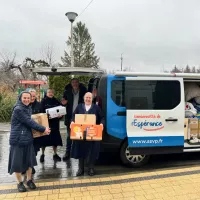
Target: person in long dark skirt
{"type": "Point", "coordinates": [87, 149]}
{"type": "Point", "coordinates": [54, 139]}
{"type": "Point", "coordinates": [22, 156]}
{"type": "Point", "coordinates": [36, 108]}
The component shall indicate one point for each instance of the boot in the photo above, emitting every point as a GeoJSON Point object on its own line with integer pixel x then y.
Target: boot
{"type": "Point", "coordinates": [81, 167]}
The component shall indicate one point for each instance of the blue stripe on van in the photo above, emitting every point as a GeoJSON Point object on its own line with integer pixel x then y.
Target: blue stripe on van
{"type": "Point", "coordinates": [158, 141]}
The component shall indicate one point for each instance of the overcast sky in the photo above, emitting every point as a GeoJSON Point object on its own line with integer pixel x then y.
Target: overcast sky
{"type": "Point", "coordinates": [151, 34]}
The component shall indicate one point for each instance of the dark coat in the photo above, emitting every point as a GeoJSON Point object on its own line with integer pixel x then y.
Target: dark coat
{"type": "Point", "coordinates": [68, 95]}
{"type": "Point", "coordinates": [54, 138]}
{"type": "Point", "coordinates": [22, 124]}
{"type": "Point", "coordinates": [36, 107]}
{"type": "Point", "coordinates": [87, 149]}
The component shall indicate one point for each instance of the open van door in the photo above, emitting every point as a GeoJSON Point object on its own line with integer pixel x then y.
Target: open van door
{"type": "Point", "coordinates": [155, 114]}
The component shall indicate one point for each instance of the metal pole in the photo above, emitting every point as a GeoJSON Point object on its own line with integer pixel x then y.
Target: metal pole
{"type": "Point", "coordinates": [72, 49]}
{"type": "Point", "coordinates": [121, 62]}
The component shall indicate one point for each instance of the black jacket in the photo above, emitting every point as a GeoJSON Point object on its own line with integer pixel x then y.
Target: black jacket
{"type": "Point", "coordinates": [68, 95]}
{"type": "Point", "coordinates": [36, 107]}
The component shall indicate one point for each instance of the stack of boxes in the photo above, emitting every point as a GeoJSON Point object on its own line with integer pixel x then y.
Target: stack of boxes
{"type": "Point", "coordinates": [191, 128]}
{"type": "Point", "coordinates": [85, 128]}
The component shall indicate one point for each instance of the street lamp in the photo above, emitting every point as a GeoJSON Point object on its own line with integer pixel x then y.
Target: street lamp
{"type": "Point", "coordinates": [72, 16]}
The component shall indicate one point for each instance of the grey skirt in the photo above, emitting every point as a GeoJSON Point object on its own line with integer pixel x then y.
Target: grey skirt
{"type": "Point", "coordinates": [21, 158]}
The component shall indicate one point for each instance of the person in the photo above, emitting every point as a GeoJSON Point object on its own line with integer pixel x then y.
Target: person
{"type": "Point", "coordinates": [54, 139]}
{"type": "Point", "coordinates": [36, 108]}
{"type": "Point", "coordinates": [73, 95]}
{"type": "Point", "coordinates": [87, 149]}
{"type": "Point", "coordinates": [96, 99]}
{"type": "Point", "coordinates": [22, 156]}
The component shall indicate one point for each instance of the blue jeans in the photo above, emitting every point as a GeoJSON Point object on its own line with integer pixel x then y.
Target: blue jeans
{"type": "Point", "coordinates": [69, 141]}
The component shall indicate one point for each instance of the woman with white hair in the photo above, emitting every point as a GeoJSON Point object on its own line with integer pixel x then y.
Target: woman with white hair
{"type": "Point", "coordinates": [87, 149]}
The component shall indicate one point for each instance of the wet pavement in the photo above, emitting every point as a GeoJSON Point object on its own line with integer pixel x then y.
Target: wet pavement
{"type": "Point", "coordinates": [108, 164]}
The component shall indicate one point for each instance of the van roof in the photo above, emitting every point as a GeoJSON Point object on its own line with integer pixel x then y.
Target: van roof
{"type": "Point", "coordinates": [150, 74]}
{"type": "Point", "coordinates": [67, 71]}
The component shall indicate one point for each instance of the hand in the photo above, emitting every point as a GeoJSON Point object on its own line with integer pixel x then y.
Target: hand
{"type": "Point", "coordinates": [64, 102]}
{"type": "Point", "coordinates": [102, 126]}
{"type": "Point", "coordinates": [71, 124]}
{"type": "Point", "coordinates": [47, 130]}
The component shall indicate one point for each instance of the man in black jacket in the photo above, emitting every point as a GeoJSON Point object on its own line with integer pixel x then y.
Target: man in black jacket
{"type": "Point", "coordinates": [73, 95]}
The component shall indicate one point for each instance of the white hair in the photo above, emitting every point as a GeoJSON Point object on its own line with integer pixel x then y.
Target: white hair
{"type": "Point", "coordinates": [32, 90]}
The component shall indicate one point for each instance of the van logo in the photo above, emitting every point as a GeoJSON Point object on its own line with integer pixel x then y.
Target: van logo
{"type": "Point", "coordinates": [146, 123]}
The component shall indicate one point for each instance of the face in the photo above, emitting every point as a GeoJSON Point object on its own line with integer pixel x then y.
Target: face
{"type": "Point", "coordinates": [33, 96]}
{"type": "Point", "coordinates": [26, 99]}
{"type": "Point", "coordinates": [75, 84]}
{"type": "Point", "coordinates": [88, 99]}
{"type": "Point", "coordinates": [50, 93]}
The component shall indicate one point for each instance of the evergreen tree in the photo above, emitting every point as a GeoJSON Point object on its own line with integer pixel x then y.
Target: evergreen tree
{"type": "Point", "coordinates": [176, 70]}
{"type": "Point", "coordinates": [84, 53]}
{"type": "Point", "coordinates": [187, 69]}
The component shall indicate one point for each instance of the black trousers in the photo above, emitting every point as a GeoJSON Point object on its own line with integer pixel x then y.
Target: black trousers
{"type": "Point", "coordinates": [91, 163]}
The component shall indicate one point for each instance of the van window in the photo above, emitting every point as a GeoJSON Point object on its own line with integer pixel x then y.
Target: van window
{"type": "Point", "coordinates": [117, 92]}
{"type": "Point", "coordinates": [152, 95]}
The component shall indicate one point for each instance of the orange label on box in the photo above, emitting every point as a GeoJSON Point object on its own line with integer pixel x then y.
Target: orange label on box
{"type": "Point", "coordinates": [86, 132]}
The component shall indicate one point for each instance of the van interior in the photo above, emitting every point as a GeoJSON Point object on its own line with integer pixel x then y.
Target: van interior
{"type": "Point", "coordinates": [192, 112]}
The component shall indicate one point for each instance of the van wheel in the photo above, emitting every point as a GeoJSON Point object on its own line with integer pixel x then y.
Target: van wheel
{"type": "Point", "coordinates": [132, 160]}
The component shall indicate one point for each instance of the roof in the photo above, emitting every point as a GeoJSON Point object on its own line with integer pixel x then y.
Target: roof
{"type": "Point", "coordinates": [150, 74]}
{"type": "Point", "coordinates": [31, 82]}
{"type": "Point", "coordinates": [67, 71]}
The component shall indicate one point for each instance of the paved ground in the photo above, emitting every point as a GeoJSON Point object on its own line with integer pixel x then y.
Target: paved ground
{"type": "Point", "coordinates": [165, 177]}
{"type": "Point", "coordinates": [179, 184]}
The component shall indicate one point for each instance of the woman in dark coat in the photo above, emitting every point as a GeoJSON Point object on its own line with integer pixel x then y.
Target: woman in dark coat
{"type": "Point", "coordinates": [87, 149]}
{"type": "Point", "coordinates": [22, 156]}
{"type": "Point", "coordinates": [54, 139]}
{"type": "Point", "coordinates": [36, 108]}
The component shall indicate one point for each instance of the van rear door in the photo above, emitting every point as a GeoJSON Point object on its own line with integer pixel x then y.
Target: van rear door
{"type": "Point", "coordinates": [155, 114]}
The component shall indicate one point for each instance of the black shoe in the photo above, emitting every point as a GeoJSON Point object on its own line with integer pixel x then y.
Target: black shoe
{"type": "Point", "coordinates": [21, 187]}
{"type": "Point", "coordinates": [56, 157]}
{"type": "Point", "coordinates": [33, 170]}
{"type": "Point", "coordinates": [66, 156]}
{"type": "Point", "coordinates": [80, 172]}
{"type": "Point", "coordinates": [31, 185]}
{"type": "Point", "coordinates": [42, 158]}
{"type": "Point", "coordinates": [91, 172]}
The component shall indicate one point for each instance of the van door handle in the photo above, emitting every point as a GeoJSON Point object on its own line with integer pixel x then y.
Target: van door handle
{"type": "Point", "coordinates": [171, 120]}
{"type": "Point", "coordinates": [121, 113]}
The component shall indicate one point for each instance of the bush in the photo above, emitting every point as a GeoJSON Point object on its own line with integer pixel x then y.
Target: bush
{"type": "Point", "coordinates": [58, 83]}
{"type": "Point", "coordinates": [7, 101]}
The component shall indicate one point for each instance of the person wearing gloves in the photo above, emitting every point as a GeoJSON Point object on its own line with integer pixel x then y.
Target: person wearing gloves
{"type": "Point", "coordinates": [22, 155]}
{"type": "Point", "coordinates": [87, 149]}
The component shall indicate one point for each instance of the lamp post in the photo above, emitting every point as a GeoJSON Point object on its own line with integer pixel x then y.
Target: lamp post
{"type": "Point", "coordinates": [72, 16]}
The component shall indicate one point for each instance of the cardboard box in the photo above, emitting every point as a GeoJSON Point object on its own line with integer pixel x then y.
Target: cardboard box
{"type": "Point", "coordinates": [86, 132]}
{"type": "Point", "coordinates": [85, 119]}
{"type": "Point", "coordinates": [41, 119]}
{"type": "Point", "coordinates": [186, 136]}
{"type": "Point", "coordinates": [194, 124]}
{"type": "Point", "coordinates": [57, 111]}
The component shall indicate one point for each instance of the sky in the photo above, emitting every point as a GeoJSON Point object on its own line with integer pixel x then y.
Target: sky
{"type": "Point", "coordinates": [153, 35]}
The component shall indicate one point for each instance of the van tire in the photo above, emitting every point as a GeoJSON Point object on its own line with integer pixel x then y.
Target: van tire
{"type": "Point", "coordinates": [139, 161]}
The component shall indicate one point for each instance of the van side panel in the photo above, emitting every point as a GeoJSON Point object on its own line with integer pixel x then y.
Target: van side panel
{"type": "Point", "coordinates": [115, 120]}
{"type": "Point", "coordinates": [110, 143]}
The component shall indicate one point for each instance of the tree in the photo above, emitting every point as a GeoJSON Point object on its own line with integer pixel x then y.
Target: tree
{"type": "Point", "coordinates": [84, 53]}
{"type": "Point", "coordinates": [176, 70]}
{"type": "Point", "coordinates": [194, 70]}
{"type": "Point", "coordinates": [187, 69]}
